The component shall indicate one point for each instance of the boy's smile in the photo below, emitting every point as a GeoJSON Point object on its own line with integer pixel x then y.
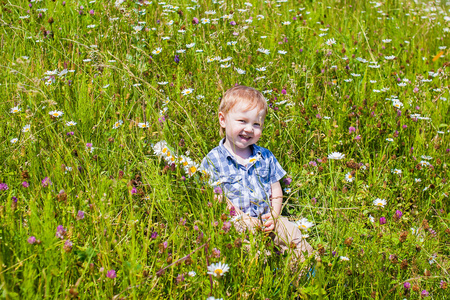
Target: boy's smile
{"type": "Point", "coordinates": [243, 128]}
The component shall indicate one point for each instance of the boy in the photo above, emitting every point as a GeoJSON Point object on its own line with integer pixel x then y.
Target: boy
{"type": "Point", "coordinates": [249, 175]}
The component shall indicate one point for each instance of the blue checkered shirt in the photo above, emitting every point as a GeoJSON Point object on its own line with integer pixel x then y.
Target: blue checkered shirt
{"type": "Point", "coordinates": [248, 187]}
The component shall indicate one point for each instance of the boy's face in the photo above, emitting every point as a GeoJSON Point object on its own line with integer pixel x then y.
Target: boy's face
{"type": "Point", "coordinates": [242, 127]}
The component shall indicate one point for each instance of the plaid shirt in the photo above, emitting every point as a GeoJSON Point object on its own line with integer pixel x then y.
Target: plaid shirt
{"type": "Point", "coordinates": [248, 187]}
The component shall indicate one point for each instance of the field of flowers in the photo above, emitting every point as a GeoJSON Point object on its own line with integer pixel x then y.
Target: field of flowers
{"type": "Point", "coordinates": [107, 108]}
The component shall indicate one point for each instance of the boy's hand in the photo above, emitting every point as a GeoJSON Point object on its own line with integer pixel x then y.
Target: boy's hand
{"type": "Point", "coordinates": [269, 224]}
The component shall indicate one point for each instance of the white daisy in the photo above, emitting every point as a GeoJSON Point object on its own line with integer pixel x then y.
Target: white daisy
{"type": "Point", "coordinates": [71, 123]}
{"type": "Point", "coordinates": [344, 258]}
{"type": "Point", "coordinates": [14, 140]}
{"type": "Point", "coordinates": [304, 224]}
{"type": "Point", "coordinates": [56, 113]}
{"type": "Point", "coordinates": [218, 269]}
{"type": "Point", "coordinates": [143, 125]}
{"type": "Point", "coordinates": [186, 92]}
{"type": "Point", "coordinates": [157, 51]}
{"type": "Point", "coordinates": [15, 110]}
{"type": "Point", "coordinates": [117, 124]}
{"type": "Point", "coordinates": [336, 155]}
{"type": "Point", "coordinates": [26, 128]}
{"type": "Point", "coordinates": [379, 202]}
{"type": "Point", "coordinates": [330, 42]}
{"type": "Point", "coordinates": [349, 177]}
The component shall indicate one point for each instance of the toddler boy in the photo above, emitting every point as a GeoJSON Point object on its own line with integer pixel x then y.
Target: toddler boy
{"type": "Point", "coordinates": [248, 174]}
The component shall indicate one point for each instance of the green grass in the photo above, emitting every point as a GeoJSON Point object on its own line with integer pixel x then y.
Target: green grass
{"type": "Point", "coordinates": [142, 218]}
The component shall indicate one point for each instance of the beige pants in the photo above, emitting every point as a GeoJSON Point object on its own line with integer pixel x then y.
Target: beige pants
{"type": "Point", "coordinates": [286, 234]}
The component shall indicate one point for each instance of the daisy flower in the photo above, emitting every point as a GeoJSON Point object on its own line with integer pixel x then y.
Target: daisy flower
{"type": "Point", "coordinates": [160, 148]}
{"type": "Point", "coordinates": [304, 224]}
{"type": "Point", "coordinates": [379, 202]}
{"type": "Point", "coordinates": [218, 269]}
{"type": "Point", "coordinates": [205, 21]}
{"type": "Point", "coordinates": [389, 57]}
{"type": "Point", "coordinates": [190, 45]}
{"type": "Point", "coordinates": [372, 219]}
{"type": "Point", "coordinates": [15, 110]}
{"type": "Point", "coordinates": [117, 124]}
{"type": "Point", "coordinates": [264, 51]}
{"type": "Point", "coordinates": [262, 69]}
{"type": "Point", "coordinates": [14, 140]}
{"type": "Point", "coordinates": [56, 113]}
{"type": "Point", "coordinates": [417, 180]}
{"type": "Point", "coordinates": [349, 177]}
{"type": "Point", "coordinates": [71, 123]}
{"type": "Point", "coordinates": [282, 52]}
{"type": "Point", "coordinates": [157, 51]}
{"type": "Point", "coordinates": [26, 128]}
{"type": "Point", "coordinates": [336, 155]}
{"type": "Point", "coordinates": [330, 42]}
{"type": "Point", "coordinates": [240, 71]}
{"type": "Point", "coordinates": [186, 92]}
{"type": "Point", "coordinates": [396, 171]}
{"type": "Point", "coordinates": [390, 139]}
{"type": "Point", "coordinates": [143, 125]}
{"type": "Point", "coordinates": [286, 23]}
{"type": "Point", "coordinates": [344, 258]}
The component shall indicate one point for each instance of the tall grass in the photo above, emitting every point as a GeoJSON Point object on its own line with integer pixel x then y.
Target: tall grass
{"type": "Point", "coordinates": [134, 226]}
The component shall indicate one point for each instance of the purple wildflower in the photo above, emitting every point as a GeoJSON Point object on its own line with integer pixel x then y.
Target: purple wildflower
{"type": "Point", "coordinates": [133, 190]}
{"type": "Point", "coordinates": [424, 293]}
{"type": "Point", "coordinates": [80, 215]}
{"type": "Point", "coordinates": [60, 232]}
{"type": "Point", "coordinates": [287, 180]}
{"type": "Point", "coordinates": [358, 137]}
{"type": "Point", "coordinates": [407, 285]}
{"type": "Point", "coordinates": [382, 220]}
{"type": "Point", "coordinates": [14, 199]}
{"type": "Point", "coordinates": [334, 253]}
{"type": "Point", "coordinates": [154, 235]}
{"type": "Point", "coordinates": [25, 184]}
{"type": "Point", "coordinates": [313, 163]}
{"type": "Point", "coordinates": [194, 21]}
{"type": "Point", "coordinates": [92, 12]}
{"type": "Point", "coordinates": [68, 246]}
{"type": "Point", "coordinates": [351, 129]}
{"type": "Point", "coordinates": [111, 274]}
{"type": "Point", "coordinates": [46, 182]}
{"type": "Point", "coordinates": [3, 186]}
{"type": "Point", "coordinates": [217, 190]}
{"type": "Point", "coordinates": [398, 214]}
{"type": "Point", "coordinates": [318, 116]}
{"type": "Point", "coordinates": [226, 226]}
{"type": "Point", "coordinates": [176, 59]}
{"type": "Point", "coordinates": [416, 90]}
{"type": "Point", "coordinates": [31, 240]}
{"type": "Point", "coordinates": [232, 23]}
{"type": "Point", "coordinates": [283, 91]}
{"type": "Point", "coordinates": [88, 145]}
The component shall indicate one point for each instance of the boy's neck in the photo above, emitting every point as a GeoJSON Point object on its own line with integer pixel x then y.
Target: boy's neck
{"type": "Point", "coordinates": [239, 154]}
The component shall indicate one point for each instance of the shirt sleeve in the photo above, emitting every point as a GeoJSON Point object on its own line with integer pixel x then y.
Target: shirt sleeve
{"type": "Point", "coordinates": [276, 171]}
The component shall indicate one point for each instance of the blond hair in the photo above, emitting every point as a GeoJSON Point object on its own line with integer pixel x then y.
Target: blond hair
{"type": "Point", "coordinates": [243, 95]}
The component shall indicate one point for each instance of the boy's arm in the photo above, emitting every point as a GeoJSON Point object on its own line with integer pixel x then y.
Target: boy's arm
{"type": "Point", "coordinates": [276, 204]}
{"type": "Point", "coordinates": [277, 199]}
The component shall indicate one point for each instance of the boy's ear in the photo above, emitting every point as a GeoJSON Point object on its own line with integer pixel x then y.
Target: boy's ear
{"type": "Point", "coordinates": [222, 119]}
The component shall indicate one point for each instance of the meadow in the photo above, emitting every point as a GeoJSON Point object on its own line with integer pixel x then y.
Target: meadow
{"type": "Point", "coordinates": [108, 107]}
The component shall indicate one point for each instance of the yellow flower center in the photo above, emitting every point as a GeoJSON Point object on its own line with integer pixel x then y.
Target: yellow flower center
{"type": "Point", "coordinates": [380, 204]}
{"type": "Point", "coordinates": [164, 150]}
{"type": "Point", "coordinates": [55, 114]}
{"type": "Point", "coordinates": [193, 169]}
{"type": "Point", "coordinates": [218, 271]}
{"type": "Point", "coordinates": [185, 163]}
{"type": "Point", "coordinates": [302, 226]}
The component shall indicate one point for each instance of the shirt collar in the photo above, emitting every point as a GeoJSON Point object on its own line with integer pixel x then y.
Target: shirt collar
{"type": "Point", "coordinates": [255, 150]}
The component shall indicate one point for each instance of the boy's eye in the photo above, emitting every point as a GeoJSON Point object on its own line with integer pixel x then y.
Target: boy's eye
{"type": "Point", "coordinates": [257, 124]}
